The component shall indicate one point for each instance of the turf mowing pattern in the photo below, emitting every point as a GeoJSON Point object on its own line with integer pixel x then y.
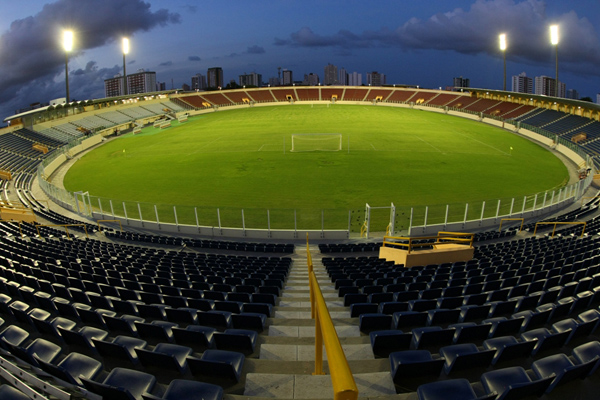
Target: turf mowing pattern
{"type": "Point", "coordinates": [235, 159]}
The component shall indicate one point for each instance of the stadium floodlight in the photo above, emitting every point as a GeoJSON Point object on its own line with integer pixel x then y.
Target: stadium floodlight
{"type": "Point", "coordinates": [502, 39]}
{"type": "Point", "coordinates": [554, 41]}
{"type": "Point", "coordinates": [125, 52]}
{"type": "Point", "coordinates": [68, 46]}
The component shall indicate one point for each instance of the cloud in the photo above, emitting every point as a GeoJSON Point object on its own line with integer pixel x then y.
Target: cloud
{"type": "Point", "coordinates": [30, 50]}
{"type": "Point", "coordinates": [191, 9]}
{"type": "Point", "coordinates": [475, 31]}
{"type": "Point", "coordinates": [166, 64]}
{"type": "Point", "coordinates": [255, 50]}
{"type": "Point", "coordinates": [194, 58]}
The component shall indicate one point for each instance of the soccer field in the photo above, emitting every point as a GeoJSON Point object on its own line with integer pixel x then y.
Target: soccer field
{"type": "Point", "coordinates": [242, 159]}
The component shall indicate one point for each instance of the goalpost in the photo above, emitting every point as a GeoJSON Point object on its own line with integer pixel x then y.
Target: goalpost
{"type": "Point", "coordinates": [316, 142]}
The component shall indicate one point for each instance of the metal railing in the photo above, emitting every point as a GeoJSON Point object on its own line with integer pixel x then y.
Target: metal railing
{"type": "Point", "coordinates": [560, 223]}
{"type": "Point", "coordinates": [410, 244]}
{"type": "Point", "coordinates": [344, 386]}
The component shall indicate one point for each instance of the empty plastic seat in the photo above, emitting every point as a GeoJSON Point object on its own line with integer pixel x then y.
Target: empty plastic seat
{"type": "Point", "coordinates": [588, 352]}
{"type": "Point", "coordinates": [43, 349]}
{"type": "Point", "coordinates": [122, 384]}
{"type": "Point", "coordinates": [72, 368]}
{"type": "Point", "coordinates": [388, 341]}
{"type": "Point", "coordinates": [545, 340]}
{"type": "Point", "coordinates": [13, 335]}
{"type": "Point", "coordinates": [165, 357]}
{"type": "Point", "coordinates": [249, 320]}
{"type": "Point", "coordinates": [451, 389]}
{"type": "Point", "coordinates": [508, 348]}
{"type": "Point", "coordinates": [561, 369]}
{"type": "Point", "coordinates": [464, 356]}
{"type": "Point", "coordinates": [185, 389]}
{"type": "Point", "coordinates": [408, 319]}
{"type": "Point", "coordinates": [442, 316]}
{"type": "Point", "coordinates": [374, 321]}
{"type": "Point", "coordinates": [121, 348]}
{"type": "Point", "coordinates": [216, 319]}
{"type": "Point", "coordinates": [513, 383]}
{"type": "Point", "coordinates": [414, 363]}
{"type": "Point", "coordinates": [197, 337]}
{"type": "Point", "coordinates": [222, 364]}
{"type": "Point", "coordinates": [502, 326]}
{"type": "Point", "coordinates": [241, 340]}
{"type": "Point", "coordinates": [576, 328]}
{"type": "Point", "coordinates": [431, 336]}
{"type": "Point", "coordinates": [156, 331]}
{"type": "Point", "coordinates": [470, 332]}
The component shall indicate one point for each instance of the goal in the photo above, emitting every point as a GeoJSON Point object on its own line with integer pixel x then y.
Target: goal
{"type": "Point", "coordinates": [316, 142]}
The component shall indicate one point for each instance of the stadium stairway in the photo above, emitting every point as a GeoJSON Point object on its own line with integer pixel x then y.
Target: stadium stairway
{"type": "Point", "coordinates": [289, 348]}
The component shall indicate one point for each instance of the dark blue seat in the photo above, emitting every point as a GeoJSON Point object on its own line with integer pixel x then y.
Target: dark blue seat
{"type": "Point", "coordinates": [221, 364]}
{"type": "Point", "coordinates": [82, 337]}
{"type": "Point", "coordinates": [588, 352]}
{"type": "Point", "coordinates": [352, 298]}
{"type": "Point", "coordinates": [185, 389]}
{"type": "Point", "coordinates": [532, 319]}
{"type": "Point", "coordinates": [165, 357]}
{"type": "Point", "coordinates": [561, 369]}
{"type": "Point", "coordinates": [545, 340]}
{"type": "Point", "coordinates": [502, 326]}
{"type": "Point", "coordinates": [508, 348]}
{"type": "Point", "coordinates": [240, 340]}
{"type": "Point", "coordinates": [197, 337]}
{"type": "Point", "coordinates": [513, 383]}
{"type": "Point", "coordinates": [431, 336]}
{"type": "Point", "coordinates": [216, 319]}
{"type": "Point", "coordinates": [13, 335]}
{"type": "Point", "coordinates": [123, 324]}
{"type": "Point", "coordinates": [156, 331]}
{"type": "Point", "coordinates": [183, 315]}
{"type": "Point", "coordinates": [474, 312]}
{"type": "Point", "coordinates": [576, 328]}
{"type": "Point", "coordinates": [465, 356]}
{"type": "Point", "coordinates": [357, 309]}
{"type": "Point", "coordinates": [258, 308]}
{"type": "Point", "coordinates": [408, 319]}
{"type": "Point", "coordinates": [387, 341]}
{"type": "Point", "coordinates": [467, 332]}
{"type": "Point", "coordinates": [121, 348]}
{"type": "Point", "coordinates": [122, 384]}
{"type": "Point", "coordinates": [72, 368]}
{"type": "Point", "coordinates": [391, 307]}
{"type": "Point", "coordinates": [374, 322]}
{"type": "Point", "coordinates": [45, 351]}
{"type": "Point", "coordinates": [451, 389]}
{"type": "Point", "coordinates": [414, 363]}
{"type": "Point", "coordinates": [442, 316]}
{"type": "Point", "coordinates": [249, 320]}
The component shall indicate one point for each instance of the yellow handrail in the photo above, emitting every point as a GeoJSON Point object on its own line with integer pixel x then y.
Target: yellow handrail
{"type": "Point", "coordinates": [441, 238]}
{"type": "Point", "coordinates": [512, 219]}
{"type": "Point", "coordinates": [66, 226]}
{"type": "Point", "coordinates": [344, 386]}
{"type": "Point", "coordinates": [109, 220]}
{"type": "Point", "coordinates": [560, 223]}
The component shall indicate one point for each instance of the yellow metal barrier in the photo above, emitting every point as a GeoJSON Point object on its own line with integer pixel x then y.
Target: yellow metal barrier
{"type": "Point", "coordinates": [441, 238]}
{"type": "Point", "coordinates": [66, 226]}
{"type": "Point", "coordinates": [109, 220]}
{"type": "Point", "coordinates": [344, 386]}
{"type": "Point", "coordinates": [560, 223]}
{"type": "Point", "coordinates": [512, 219]}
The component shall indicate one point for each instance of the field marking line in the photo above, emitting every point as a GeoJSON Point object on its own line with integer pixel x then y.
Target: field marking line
{"type": "Point", "coordinates": [426, 142]}
{"type": "Point", "coordinates": [204, 145]}
{"type": "Point", "coordinates": [261, 147]}
{"type": "Point", "coordinates": [373, 146]}
{"type": "Point", "coordinates": [485, 144]}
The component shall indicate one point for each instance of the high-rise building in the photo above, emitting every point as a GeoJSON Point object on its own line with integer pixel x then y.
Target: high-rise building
{"type": "Point", "coordinates": [461, 82]}
{"type": "Point", "coordinates": [113, 87]}
{"type": "Point", "coordinates": [214, 77]}
{"type": "Point", "coordinates": [198, 82]}
{"type": "Point", "coordinates": [330, 77]}
{"type": "Point", "coordinates": [355, 79]}
{"type": "Point", "coordinates": [375, 79]}
{"type": "Point", "coordinates": [572, 94]}
{"type": "Point", "coordinates": [160, 86]}
{"type": "Point", "coordinates": [141, 82]}
{"type": "Point", "coordinates": [522, 83]}
{"type": "Point", "coordinates": [311, 79]}
{"type": "Point", "coordinates": [544, 85]}
{"type": "Point", "coordinates": [252, 79]}
{"type": "Point", "coordinates": [286, 77]}
{"type": "Point", "coordinates": [343, 76]}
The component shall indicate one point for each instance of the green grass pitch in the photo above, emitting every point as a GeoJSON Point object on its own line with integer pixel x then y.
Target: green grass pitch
{"type": "Point", "coordinates": [241, 159]}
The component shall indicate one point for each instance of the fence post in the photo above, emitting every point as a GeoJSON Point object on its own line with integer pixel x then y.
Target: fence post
{"type": "Point", "coordinates": [425, 220]}
{"type": "Point", "coordinates": [140, 212]}
{"type": "Point", "coordinates": [243, 223]}
{"type": "Point", "coordinates": [112, 210]}
{"type": "Point", "coordinates": [498, 210]}
{"type": "Point", "coordinates": [196, 214]}
{"type": "Point", "coordinates": [446, 217]}
{"type": "Point", "coordinates": [269, 223]}
{"type": "Point", "coordinates": [482, 210]}
{"type": "Point", "coordinates": [544, 203]}
{"type": "Point", "coordinates": [524, 203]}
{"type": "Point", "coordinates": [295, 224]}
{"type": "Point", "coordinates": [322, 224]}
{"type": "Point", "coordinates": [534, 202]}
{"type": "Point", "coordinates": [219, 220]}
{"type": "Point", "coordinates": [156, 213]}
{"type": "Point", "coordinates": [512, 204]}
{"type": "Point", "coordinates": [410, 222]}
{"type": "Point", "coordinates": [125, 212]}
{"type": "Point", "coordinates": [100, 206]}
{"type": "Point", "coordinates": [466, 212]}
{"type": "Point", "coordinates": [176, 221]}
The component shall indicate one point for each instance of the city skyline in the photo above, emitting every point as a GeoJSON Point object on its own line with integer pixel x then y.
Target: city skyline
{"type": "Point", "coordinates": [413, 43]}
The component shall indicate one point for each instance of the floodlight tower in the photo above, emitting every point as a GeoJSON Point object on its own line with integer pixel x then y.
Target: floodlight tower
{"type": "Point", "coordinates": [68, 46]}
{"type": "Point", "coordinates": [554, 41]}
{"type": "Point", "coordinates": [502, 38]}
{"type": "Point", "coordinates": [125, 52]}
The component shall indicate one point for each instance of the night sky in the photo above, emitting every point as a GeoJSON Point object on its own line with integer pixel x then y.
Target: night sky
{"type": "Point", "coordinates": [424, 43]}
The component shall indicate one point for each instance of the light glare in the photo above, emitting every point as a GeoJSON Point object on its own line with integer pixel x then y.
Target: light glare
{"type": "Point", "coordinates": [502, 42]}
{"type": "Point", "coordinates": [554, 34]}
{"type": "Point", "coordinates": [68, 40]}
{"type": "Point", "coordinates": [125, 46]}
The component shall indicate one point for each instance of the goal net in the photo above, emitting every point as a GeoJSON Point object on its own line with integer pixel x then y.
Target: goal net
{"type": "Point", "coordinates": [316, 142]}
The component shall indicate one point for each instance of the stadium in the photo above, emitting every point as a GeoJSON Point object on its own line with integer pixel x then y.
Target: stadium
{"type": "Point", "coordinates": [491, 294]}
